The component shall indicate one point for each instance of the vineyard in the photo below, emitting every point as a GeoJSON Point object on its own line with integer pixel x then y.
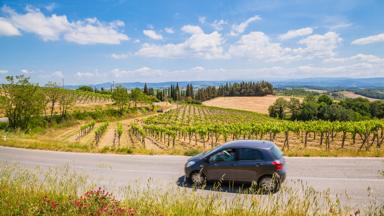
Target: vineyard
{"type": "Point", "coordinates": [188, 129]}
{"type": "Point", "coordinates": [193, 126]}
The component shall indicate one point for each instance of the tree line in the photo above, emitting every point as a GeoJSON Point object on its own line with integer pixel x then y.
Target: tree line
{"type": "Point", "coordinates": [261, 88]}
{"type": "Point", "coordinates": [325, 108]}
{"type": "Point", "coordinates": [190, 94]}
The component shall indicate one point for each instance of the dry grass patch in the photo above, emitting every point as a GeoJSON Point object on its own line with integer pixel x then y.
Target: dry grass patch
{"type": "Point", "coordinates": [253, 103]}
{"type": "Point", "coordinates": [349, 94]}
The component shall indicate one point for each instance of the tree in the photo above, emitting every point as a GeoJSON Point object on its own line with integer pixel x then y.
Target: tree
{"type": "Point", "coordinates": [52, 95]}
{"type": "Point", "coordinates": [360, 105]}
{"type": "Point", "coordinates": [278, 109]}
{"type": "Point", "coordinates": [294, 108]}
{"type": "Point", "coordinates": [160, 95]}
{"type": "Point", "coordinates": [66, 100]}
{"type": "Point", "coordinates": [85, 88]}
{"type": "Point", "coordinates": [145, 90]}
{"type": "Point", "coordinates": [23, 101]}
{"type": "Point", "coordinates": [325, 99]}
{"type": "Point", "coordinates": [310, 98]}
{"type": "Point", "coordinates": [121, 97]}
{"type": "Point", "coordinates": [377, 109]}
{"type": "Point", "coordinates": [137, 95]}
{"type": "Point", "coordinates": [339, 113]}
{"type": "Point", "coordinates": [308, 110]}
{"type": "Point", "coordinates": [323, 111]}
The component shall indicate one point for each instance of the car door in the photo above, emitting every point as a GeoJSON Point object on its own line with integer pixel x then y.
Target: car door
{"type": "Point", "coordinates": [220, 165]}
{"type": "Point", "coordinates": [249, 165]}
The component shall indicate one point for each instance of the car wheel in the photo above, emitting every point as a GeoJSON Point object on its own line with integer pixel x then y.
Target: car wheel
{"type": "Point", "coordinates": [198, 179]}
{"type": "Point", "coordinates": [268, 185]}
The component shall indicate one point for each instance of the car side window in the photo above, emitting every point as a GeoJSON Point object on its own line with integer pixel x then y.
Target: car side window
{"type": "Point", "coordinates": [250, 154]}
{"type": "Point", "coordinates": [223, 156]}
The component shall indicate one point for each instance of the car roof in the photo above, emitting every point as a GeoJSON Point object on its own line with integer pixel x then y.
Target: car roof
{"type": "Point", "coordinates": [255, 144]}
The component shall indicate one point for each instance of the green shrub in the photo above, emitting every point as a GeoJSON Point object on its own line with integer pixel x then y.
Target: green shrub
{"type": "Point", "coordinates": [3, 125]}
{"type": "Point", "coordinates": [192, 152]}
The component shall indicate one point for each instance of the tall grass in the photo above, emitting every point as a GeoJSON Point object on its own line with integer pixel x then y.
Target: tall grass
{"type": "Point", "coordinates": [63, 192]}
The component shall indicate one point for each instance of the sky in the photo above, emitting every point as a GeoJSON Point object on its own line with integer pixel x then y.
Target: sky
{"type": "Point", "coordinates": [96, 41]}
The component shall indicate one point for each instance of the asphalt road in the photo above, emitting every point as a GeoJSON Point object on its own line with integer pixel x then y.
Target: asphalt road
{"type": "Point", "coordinates": [340, 175]}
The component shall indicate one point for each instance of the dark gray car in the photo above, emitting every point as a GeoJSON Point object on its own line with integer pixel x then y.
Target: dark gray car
{"type": "Point", "coordinates": [240, 161]}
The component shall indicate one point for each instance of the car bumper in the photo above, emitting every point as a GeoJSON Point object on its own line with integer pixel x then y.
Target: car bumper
{"type": "Point", "coordinates": [188, 171]}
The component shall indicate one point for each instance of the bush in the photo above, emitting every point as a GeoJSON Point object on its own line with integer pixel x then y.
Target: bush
{"type": "Point", "coordinates": [192, 152]}
{"type": "Point", "coordinates": [3, 125]}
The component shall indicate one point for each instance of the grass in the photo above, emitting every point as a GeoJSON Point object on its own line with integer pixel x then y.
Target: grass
{"type": "Point", "coordinates": [63, 192]}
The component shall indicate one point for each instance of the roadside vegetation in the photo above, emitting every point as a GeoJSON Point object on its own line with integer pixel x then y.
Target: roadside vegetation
{"type": "Point", "coordinates": [64, 192]}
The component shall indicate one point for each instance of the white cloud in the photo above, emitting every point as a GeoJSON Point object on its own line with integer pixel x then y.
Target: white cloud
{"type": "Point", "coordinates": [7, 29]}
{"type": "Point", "coordinates": [296, 33]}
{"type": "Point", "coordinates": [358, 58]}
{"type": "Point", "coordinates": [370, 39]}
{"type": "Point", "coordinates": [202, 19]}
{"type": "Point", "coordinates": [192, 29]}
{"type": "Point", "coordinates": [240, 28]}
{"type": "Point", "coordinates": [320, 45]}
{"type": "Point", "coordinates": [25, 71]}
{"type": "Point", "coordinates": [58, 74]}
{"type": "Point", "coordinates": [256, 45]}
{"type": "Point", "coordinates": [218, 24]}
{"type": "Point", "coordinates": [55, 27]}
{"type": "Point", "coordinates": [152, 34]}
{"type": "Point", "coordinates": [368, 58]}
{"type": "Point", "coordinates": [169, 30]}
{"type": "Point", "coordinates": [3, 71]}
{"type": "Point", "coordinates": [161, 51]}
{"type": "Point", "coordinates": [120, 55]}
{"type": "Point", "coordinates": [50, 7]}
{"type": "Point", "coordinates": [199, 44]}
{"type": "Point", "coordinates": [198, 68]}
{"type": "Point", "coordinates": [92, 31]}
{"type": "Point", "coordinates": [86, 74]}
{"type": "Point", "coordinates": [136, 74]}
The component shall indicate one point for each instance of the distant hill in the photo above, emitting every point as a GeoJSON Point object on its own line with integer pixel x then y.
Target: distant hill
{"type": "Point", "coordinates": [308, 82]}
{"type": "Point", "coordinates": [332, 83]}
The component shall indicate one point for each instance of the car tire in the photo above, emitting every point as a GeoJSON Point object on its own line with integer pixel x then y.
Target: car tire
{"type": "Point", "coordinates": [198, 179]}
{"type": "Point", "coordinates": [268, 185]}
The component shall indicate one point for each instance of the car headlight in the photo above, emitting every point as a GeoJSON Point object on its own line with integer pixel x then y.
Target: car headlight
{"type": "Point", "coordinates": [190, 163]}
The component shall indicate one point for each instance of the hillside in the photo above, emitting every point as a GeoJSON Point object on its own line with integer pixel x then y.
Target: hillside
{"type": "Point", "coordinates": [324, 82]}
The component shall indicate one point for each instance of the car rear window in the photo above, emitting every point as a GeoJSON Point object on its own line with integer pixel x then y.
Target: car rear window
{"type": "Point", "coordinates": [276, 152]}
{"type": "Point", "coordinates": [250, 154]}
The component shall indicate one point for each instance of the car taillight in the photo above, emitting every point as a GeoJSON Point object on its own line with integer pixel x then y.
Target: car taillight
{"type": "Point", "coordinates": [278, 165]}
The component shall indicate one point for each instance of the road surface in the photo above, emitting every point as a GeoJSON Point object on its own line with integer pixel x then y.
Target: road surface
{"type": "Point", "coordinates": [340, 175]}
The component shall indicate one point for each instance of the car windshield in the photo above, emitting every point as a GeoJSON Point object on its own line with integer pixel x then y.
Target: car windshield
{"type": "Point", "coordinates": [208, 152]}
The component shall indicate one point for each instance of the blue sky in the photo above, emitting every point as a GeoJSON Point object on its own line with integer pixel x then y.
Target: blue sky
{"type": "Point", "coordinates": [150, 41]}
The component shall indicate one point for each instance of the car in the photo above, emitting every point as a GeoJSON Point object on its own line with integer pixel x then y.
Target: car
{"type": "Point", "coordinates": [247, 161]}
